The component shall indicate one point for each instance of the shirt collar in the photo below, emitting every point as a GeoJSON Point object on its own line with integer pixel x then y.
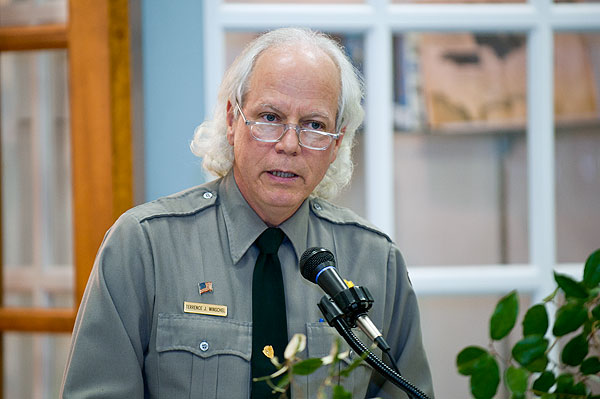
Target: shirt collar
{"type": "Point", "coordinates": [244, 225]}
{"type": "Point", "coordinates": [296, 228]}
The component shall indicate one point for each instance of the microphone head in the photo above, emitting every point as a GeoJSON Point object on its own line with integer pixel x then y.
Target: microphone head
{"type": "Point", "coordinates": [313, 260]}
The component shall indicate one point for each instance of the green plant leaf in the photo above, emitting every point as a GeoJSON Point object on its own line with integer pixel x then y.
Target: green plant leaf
{"type": "Point", "coordinates": [340, 393]}
{"type": "Point", "coordinates": [529, 349]}
{"type": "Point", "coordinates": [549, 396]}
{"type": "Point", "coordinates": [504, 316]}
{"type": "Point", "coordinates": [355, 363]}
{"type": "Point", "coordinates": [538, 364]}
{"type": "Point", "coordinates": [590, 366]}
{"type": "Point", "coordinates": [570, 287]}
{"type": "Point", "coordinates": [551, 297]}
{"type": "Point", "coordinates": [564, 383]}
{"type": "Point", "coordinates": [485, 379]}
{"type": "Point", "coordinates": [569, 318]}
{"type": "Point", "coordinates": [579, 389]}
{"type": "Point", "coordinates": [516, 380]}
{"type": "Point", "coordinates": [535, 321]}
{"type": "Point", "coordinates": [544, 382]}
{"type": "Point", "coordinates": [591, 271]}
{"type": "Point", "coordinates": [470, 359]}
{"type": "Point", "coordinates": [307, 366]}
{"type": "Point", "coordinates": [283, 381]}
{"type": "Point", "coordinates": [575, 351]}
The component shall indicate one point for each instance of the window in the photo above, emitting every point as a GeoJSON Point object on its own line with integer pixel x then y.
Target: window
{"type": "Point", "coordinates": [479, 184]}
{"type": "Point", "coordinates": [66, 173]}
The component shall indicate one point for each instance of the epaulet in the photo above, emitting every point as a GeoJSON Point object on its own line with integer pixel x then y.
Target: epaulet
{"type": "Point", "coordinates": [184, 203]}
{"type": "Point", "coordinates": [342, 216]}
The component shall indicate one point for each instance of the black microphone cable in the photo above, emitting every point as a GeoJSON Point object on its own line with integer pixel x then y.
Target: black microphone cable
{"type": "Point", "coordinates": [345, 307]}
{"type": "Point", "coordinates": [357, 345]}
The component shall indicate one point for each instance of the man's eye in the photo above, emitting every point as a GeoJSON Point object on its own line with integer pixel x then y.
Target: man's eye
{"type": "Point", "coordinates": [269, 118]}
{"type": "Point", "coordinates": [314, 125]}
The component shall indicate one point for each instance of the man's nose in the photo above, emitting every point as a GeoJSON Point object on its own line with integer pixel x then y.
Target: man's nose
{"type": "Point", "coordinates": [289, 143]}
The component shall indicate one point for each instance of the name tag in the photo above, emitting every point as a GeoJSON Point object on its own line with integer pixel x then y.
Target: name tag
{"type": "Point", "coordinates": [205, 308]}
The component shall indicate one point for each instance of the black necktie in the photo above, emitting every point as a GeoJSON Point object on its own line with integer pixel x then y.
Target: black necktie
{"type": "Point", "coordinates": [269, 324]}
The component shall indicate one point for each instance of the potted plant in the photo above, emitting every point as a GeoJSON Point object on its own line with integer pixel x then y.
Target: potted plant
{"type": "Point", "coordinates": [532, 370]}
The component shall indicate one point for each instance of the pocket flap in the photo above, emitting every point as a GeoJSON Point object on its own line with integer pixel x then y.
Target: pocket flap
{"type": "Point", "coordinates": [203, 336]}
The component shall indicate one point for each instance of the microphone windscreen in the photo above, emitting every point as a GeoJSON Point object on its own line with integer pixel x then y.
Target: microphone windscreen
{"type": "Point", "coordinates": [311, 259]}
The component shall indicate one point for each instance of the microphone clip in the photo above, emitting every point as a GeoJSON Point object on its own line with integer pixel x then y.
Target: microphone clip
{"type": "Point", "coordinates": [349, 304]}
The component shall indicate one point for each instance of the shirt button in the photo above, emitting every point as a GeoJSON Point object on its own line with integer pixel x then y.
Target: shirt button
{"type": "Point", "coordinates": [318, 207]}
{"type": "Point", "coordinates": [207, 195]}
{"type": "Point", "coordinates": [203, 346]}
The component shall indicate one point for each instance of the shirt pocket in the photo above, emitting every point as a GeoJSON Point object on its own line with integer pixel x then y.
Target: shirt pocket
{"type": "Point", "coordinates": [320, 338]}
{"type": "Point", "coordinates": [203, 357]}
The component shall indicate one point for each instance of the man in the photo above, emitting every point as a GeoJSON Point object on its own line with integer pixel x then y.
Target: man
{"type": "Point", "coordinates": [174, 308]}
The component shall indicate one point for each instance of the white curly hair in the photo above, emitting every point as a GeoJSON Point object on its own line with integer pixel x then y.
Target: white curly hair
{"type": "Point", "coordinates": [210, 138]}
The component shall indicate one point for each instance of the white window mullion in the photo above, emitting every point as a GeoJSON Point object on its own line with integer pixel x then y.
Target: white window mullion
{"type": "Point", "coordinates": [379, 129]}
{"type": "Point", "coordinates": [257, 16]}
{"type": "Point", "coordinates": [577, 16]}
{"type": "Point", "coordinates": [475, 279]}
{"type": "Point", "coordinates": [540, 149]}
{"type": "Point", "coordinates": [461, 17]}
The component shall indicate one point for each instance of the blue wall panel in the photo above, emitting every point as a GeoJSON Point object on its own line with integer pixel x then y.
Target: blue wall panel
{"type": "Point", "coordinates": [173, 105]}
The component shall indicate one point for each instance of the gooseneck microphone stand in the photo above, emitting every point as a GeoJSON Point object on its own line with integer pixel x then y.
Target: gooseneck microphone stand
{"type": "Point", "coordinates": [346, 307]}
{"type": "Point", "coordinates": [343, 322]}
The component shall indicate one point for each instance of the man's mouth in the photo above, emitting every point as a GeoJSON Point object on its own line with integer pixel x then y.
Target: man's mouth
{"type": "Point", "coordinates": [279, 173]}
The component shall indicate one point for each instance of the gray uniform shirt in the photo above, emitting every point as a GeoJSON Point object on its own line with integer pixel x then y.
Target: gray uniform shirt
{"type": "Point", "coordinates": [133, 339]}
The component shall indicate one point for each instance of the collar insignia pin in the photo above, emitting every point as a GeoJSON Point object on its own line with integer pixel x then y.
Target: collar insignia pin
{"type": "Point", "coordinates": [204, 287]}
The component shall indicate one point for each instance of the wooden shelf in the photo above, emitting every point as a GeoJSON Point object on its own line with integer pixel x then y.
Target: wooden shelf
{"type": "Point", "coordinates": [51, 320]}
{"type": "Point", "coordinates": [35, 37]}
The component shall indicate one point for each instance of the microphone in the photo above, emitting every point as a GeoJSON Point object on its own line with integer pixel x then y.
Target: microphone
{"type": "Point", "coordinates": [317, 265]}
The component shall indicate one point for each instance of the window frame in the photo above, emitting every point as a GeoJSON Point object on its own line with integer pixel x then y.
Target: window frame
{"type": "Point", "coordinates": [378, 21]}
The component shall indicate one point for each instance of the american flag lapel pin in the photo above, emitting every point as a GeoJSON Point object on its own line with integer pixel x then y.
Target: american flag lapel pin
{"type": "Point", "coordinates": [204, 287]}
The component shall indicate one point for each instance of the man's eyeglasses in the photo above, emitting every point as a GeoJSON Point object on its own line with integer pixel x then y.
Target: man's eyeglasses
{"type": "Point", "coordinates": [273, 132]}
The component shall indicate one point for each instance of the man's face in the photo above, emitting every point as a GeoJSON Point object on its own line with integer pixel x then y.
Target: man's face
{"type": "Point", "coordinates": [291, 85]}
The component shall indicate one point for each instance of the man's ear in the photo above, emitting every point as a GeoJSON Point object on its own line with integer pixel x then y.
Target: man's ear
{"type": "Point", "coordinates": [230, 120]}
{"type": "Point", "coordinates": [337, 144]}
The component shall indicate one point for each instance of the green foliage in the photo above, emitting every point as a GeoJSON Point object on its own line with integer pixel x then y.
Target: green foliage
{"type": "Point", "coordinates": [569, 318]}
{"type": "Point", "coordinates": [590, 366]}
{"type": "Point", "coordinates": [544, 382]}
{"type": "Point", "coordinates": [516, 380]}
{"type": "Point", "coordinates": [486, 378]}
{"type": "Point", "coordinates": [535, 321]}
{"type": "Point", "coordinates": [341, 393]}
{"type": "Point", "coordinates": [307, 366]}
{"type": "Point", "coordinates": [469, 358]}
{"type": "Point", "coordinates": [530, 352]}
{"type": "Point", "coordinates": [293, 366]}
{"type": "Point", "coordinates": [591, 273]}
{"type": "Point", "coordinates": [530, 371]}
{"type": "Point", "coordinates": [575, 351]}
{"type": "Point", "coordinates": [505, 316]}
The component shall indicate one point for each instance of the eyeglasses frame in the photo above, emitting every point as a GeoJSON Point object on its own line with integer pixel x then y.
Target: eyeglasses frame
{"type": "Point", "coordinates": [286, 127]}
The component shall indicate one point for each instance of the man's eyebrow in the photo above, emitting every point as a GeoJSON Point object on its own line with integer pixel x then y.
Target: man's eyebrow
{"type": "Point", "coordinates": [271, 107]}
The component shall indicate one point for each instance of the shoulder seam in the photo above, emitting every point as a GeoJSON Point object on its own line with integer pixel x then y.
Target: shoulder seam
{"type": "Point", "coordinates": [316, 203]}
{"type": "Point", "coordinates": [159, 214]}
